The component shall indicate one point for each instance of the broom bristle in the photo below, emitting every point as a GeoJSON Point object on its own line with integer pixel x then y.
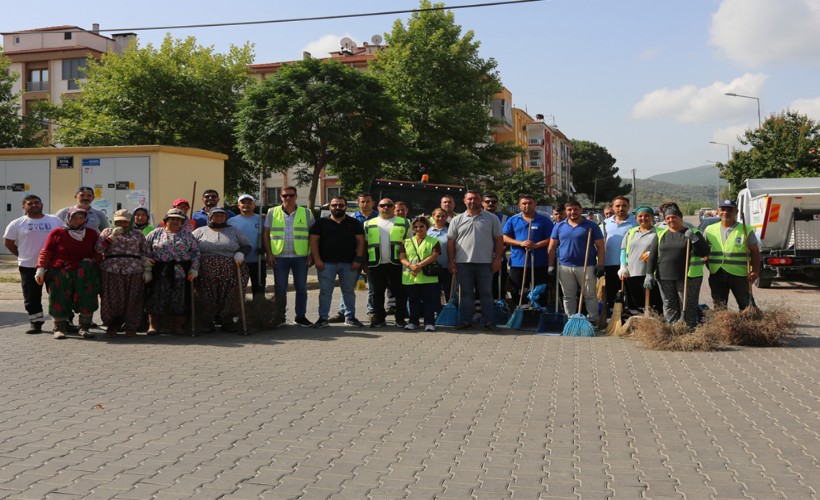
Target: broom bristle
{"type": "Point", "coordinates": [578, 326]}
{"type": "Point", "coordinates": [657, 335]}
{"type": "Point", "coordinates": [448, 316]}
{"type": "Point", "coordinates": [753, 327]}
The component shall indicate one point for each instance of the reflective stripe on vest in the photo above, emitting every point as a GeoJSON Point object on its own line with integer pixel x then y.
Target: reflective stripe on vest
{"type": "Point", "coordinates": [426, 250]}
{"type": "Point", "coordinates": [300, 231]}
{"type": "Point", "coordinates": [397, 234]}
{"type": "Point", "coordinates": [695, 262]}
{"type": "Point", "coordinates": [731, 256]}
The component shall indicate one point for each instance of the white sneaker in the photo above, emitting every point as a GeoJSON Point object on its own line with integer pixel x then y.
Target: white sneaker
{"type": "Point", "coordinates": [410, 326]}
{"type": "Point", "coordinates": [59, 335]}
{"type": "Point", "coordinates": [429, 328]}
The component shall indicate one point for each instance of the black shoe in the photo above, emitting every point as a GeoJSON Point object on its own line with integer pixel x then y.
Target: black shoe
{"type": "Point", "coordinates": [491, 327]}
{"type": "Point", "coordinates": [463, 326]}
{"type": "Point", "coordinates": [72, 328]}
{"type": "Point", "coordinates": [303, 322]}
{"type": "Point", "coordinates": [35, 328]}
{"type": "Point", "coordinates": [354, 322]}
{"type": "Point", "coordinates": [321, 323]}
{"type": "Point", "coordinates": [377, 323]}
{"type": "Point", "coordinates": [401, 323]}
{"type": "Point", "coordinates": [339, 318]}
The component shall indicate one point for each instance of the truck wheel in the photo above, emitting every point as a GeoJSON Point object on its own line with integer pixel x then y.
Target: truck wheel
{"type": "Point", "coordinates": [764, 282]}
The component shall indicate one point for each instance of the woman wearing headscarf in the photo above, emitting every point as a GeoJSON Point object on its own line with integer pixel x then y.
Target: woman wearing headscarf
{"type": "Point", "coordinates": [175, 255]}
{"type": "Point", "coordinates": [668, 262]}
{"type": "Point", "coordinates": [125, 270]}
{"type": "Point", "coordinates": [68, 265]}
{"type": "Point", "coordinates": [223, 250]}
{"type": "Point", "coordinates": [635, 249]}
{"type": "Point", "coordinates": [142, 221]}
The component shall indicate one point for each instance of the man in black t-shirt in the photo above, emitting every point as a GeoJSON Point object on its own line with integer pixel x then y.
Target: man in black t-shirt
{"type": "Point", "coordinates": [337, 247]}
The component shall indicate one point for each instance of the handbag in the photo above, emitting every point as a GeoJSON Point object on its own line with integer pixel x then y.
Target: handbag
{"type": "Point", "coordinates": [432, 269]}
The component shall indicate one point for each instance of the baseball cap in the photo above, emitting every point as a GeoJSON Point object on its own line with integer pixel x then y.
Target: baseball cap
{"type": "Point", "coordinates": [246, 197]}
{"type": "Point", "coordinates": [727, 203]}
{"type": "Point", "coordinates": [180, 201]}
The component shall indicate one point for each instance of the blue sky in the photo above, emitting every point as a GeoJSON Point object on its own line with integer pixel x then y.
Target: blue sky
{"type": "Point", "coordinates": [643, 78]}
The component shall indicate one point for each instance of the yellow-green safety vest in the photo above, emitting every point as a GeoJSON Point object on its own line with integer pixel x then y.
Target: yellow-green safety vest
{"type": "Point", "coordinates": [631, 233]}
{"type": "Point", "coordinates": [300, 232]}
{"type": "Point", "coordinates": [398, 232]}
{"type": "Point", "coordinates": [731, 256]}
{"type": "Point", "coordinates": [695, 262]}
{"type": "Point", "coordinates": [425, 249]}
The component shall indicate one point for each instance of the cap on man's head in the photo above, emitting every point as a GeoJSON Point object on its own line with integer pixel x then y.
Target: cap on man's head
{"type": "Point", "coordinates": [180, 201]}
{"type": "Point", "coordinates": [727, 203]}
{"type": "Point", "coordinates": [246, 197]}
{"type": "Point", "coordinates": [217, 210]}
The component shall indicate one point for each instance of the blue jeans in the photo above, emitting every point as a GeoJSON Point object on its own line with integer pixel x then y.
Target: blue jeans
{"type": "Point", "coordinates": [347, 282]}
{"type": "Point", "coordinates": [472, 277]}
{"type": "Point", "coordinates": [369, 297]}
{"type": "Point", "coordinates": [281, 271]}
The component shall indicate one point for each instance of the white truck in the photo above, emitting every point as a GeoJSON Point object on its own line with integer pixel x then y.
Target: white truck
{"type": "Point", "coordinates": [785, 214]}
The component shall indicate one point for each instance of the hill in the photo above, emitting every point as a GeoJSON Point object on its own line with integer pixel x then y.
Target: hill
{"type": "Point", "coordinates": [705, 175]}
{"type": "Point", "coordinates": [652, 192]}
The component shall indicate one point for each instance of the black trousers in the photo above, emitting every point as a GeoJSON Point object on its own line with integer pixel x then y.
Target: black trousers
{"type": "Point", "coordinates": [520, 275]}
{"type": "Point", "coordinates": [32, 294]}
{"type": "Point", "coordinates": [636, 296]}
{"type": "Point", "coordinates": [257, 286]}
{"type": "Point", "coordinates": [381, 277]}
{"type": "Point", "coordinates": [722, 283]}
{"type": "Point", "coordinates": [613, 284]}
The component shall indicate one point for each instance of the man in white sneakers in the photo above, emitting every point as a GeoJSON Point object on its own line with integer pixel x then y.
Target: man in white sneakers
{"type": "Point", "coordinates": [25, 237]}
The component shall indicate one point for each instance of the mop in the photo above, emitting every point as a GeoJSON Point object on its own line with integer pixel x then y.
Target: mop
{"type": "Point", "coordinates": [517, 316]}
{"type": "Point", "coordinates": [578, 325]}
{"type": "Point", "coordinates": [501, 312]}
{"type": "Point", "coordinates": [552, 323]}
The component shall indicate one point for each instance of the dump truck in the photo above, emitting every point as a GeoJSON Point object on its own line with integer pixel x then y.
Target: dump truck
{"type": "Point", "coordinates": [785, 214]}
{"type": "Point", "coordinates": [421, 197]}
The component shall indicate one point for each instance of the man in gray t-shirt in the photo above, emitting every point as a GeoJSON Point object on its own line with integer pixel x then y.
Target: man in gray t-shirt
{"type": "Point", "coordinates": [475, 246]}
{"type": "Point", "coordinates": [97, 220]}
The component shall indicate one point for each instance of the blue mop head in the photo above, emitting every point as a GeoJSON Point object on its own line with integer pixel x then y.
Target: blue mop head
{"type": "Point", "coordinates": [535, 296]}
{"type": "Point", "coordinates": [448, 316]}
{"type": "Point", "coordinates": [578, 326]}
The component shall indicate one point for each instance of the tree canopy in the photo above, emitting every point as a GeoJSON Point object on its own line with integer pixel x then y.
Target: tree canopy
{"type": "Point", "coordinates": [524, 181]}
{"type": "Point", "coordinates": [177, 94]}
{"type": "Point", "coordinates": [316, 114]}
{"type": "Point", "coordinates": [17, 131]}
{"type": "Point", "coordinates": [443, 91]}
{"type": "Point", "coordinates": [786, 145]}
{"type": "Point", "coordinates": [594, 172]}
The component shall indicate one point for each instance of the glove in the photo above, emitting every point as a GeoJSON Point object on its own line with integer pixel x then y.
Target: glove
{"type": "Point", "coordinates": [239, 257]}
{"type": "Point", "coordinates": [599, 271]}
{"type": "Point", "coordinates": [551, 271]}
{"type": "Point", "coordinates": [116, 233]}
{"type": "Point", "coordinates": [691, 235]}
{"type": "Point", "coordinates": [623, 273]}
{"type": "Point", "coordinates": [147, 276]}
{"type": "Point", "coordinates": [40, 275]}
{"type": "Point", "coordinates": [192, 275]}
{"type": "Point", "coordinates": [649, 282]}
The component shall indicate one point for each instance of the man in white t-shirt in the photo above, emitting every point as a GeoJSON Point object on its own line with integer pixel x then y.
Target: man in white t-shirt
{"type": "Point", "coordinates": [25, 237]}
{"type": "Point", "coordinates": [384, 235]}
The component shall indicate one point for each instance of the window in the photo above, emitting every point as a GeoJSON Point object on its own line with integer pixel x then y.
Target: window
{"type": "Point", "coordinates": [16, 40]}
{"type": "Point", "coordinates": [73, 70]}
{"type": "Point", "coordinates": [67, 35]}
{"type": "Point", "coordinates": [37, 80]}
{"type": "Point", "coordinates": [332, 192]}
{"type": "Point", "coordinates": [273, 195]}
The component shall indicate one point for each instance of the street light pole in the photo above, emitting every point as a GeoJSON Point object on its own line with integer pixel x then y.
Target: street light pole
{"type": "Point", "coordinates": [732, 94]}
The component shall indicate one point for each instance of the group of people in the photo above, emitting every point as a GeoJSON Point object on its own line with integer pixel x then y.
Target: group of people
{"type": "Point", "coordinates": [143, 273]}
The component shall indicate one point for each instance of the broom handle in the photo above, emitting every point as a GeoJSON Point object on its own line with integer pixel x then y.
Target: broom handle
{"type": "Point", "coordinates": [748, 259]}
{"type": "Point", "coordinates": [685, 277]}
{"type": "Point", "coordinates": [584, 278]}
{"type": "Point", "coordinates": [524, 278]}
{"type": "Point", "coordinates": [646, 303]}
{"type": "Point", "coordinates": [193, 197]}
{"type": "Point", "coordinates": [241, 299]}
{"type": "Point", "coordinates": [453, 288]}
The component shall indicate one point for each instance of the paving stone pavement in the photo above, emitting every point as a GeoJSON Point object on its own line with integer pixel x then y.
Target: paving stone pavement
{"type": "Point", "coordinates": [360, 413]}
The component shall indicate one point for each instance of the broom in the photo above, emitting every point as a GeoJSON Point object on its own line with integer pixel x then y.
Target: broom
{"type": "Point", "coordinates": [578, 325]}
{"type": "Point", "coordinates": [614, 326]}
{"type": "Point", "coordinates": [603, 300]}
{"type": "Point", "coordinates": [517, 316]}
{"type": "Point", "coordinates": [448, 316]}
{"type": "Point", "coordinates": [501, 312]}
{"type": "Point", "coordinates": [241, 299]}
{"type": "Point", "coordinates": [752, 305]}
{"type": "Point", "coordinates": [552, 323]}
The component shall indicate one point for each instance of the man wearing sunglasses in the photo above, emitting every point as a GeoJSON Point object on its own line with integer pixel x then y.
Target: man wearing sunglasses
{"type": "Point", "coordinates": [491, 206]}
{"type": "Point", "coordinates": [210, 199]}
{"type": "Point", "coordinates": [287, 248]}
{"type": "Point", "coordinates": [384, 235]}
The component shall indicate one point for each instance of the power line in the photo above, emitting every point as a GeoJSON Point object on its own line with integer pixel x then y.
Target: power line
{"type": "Point", "coordinates": [313, 18]}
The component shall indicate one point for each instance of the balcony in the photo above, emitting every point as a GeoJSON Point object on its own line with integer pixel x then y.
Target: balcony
{"type": "Point", "coordinates": [37, 86]}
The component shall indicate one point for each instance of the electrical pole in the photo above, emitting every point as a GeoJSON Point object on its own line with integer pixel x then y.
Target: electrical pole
{"type": "Point", "coordinates": [634, 190]}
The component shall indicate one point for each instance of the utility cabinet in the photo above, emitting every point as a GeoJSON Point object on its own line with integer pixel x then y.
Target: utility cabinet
{"type": "Point", "coordinates": [18, 179]}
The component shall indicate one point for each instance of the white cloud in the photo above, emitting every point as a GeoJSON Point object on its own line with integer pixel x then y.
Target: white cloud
{"type": "Point", "coordinates": [758, 32]}
{"type": "Point", "coordinates": [728, 135]}
{"type": "Point", "coordinates": [324, 45]}
{"type": "Point", "coordinates": [689, 104]}
{"type": "Point", "coordinates": [650, 53]}
{"type": "Point", "coordinates": [810, 107]}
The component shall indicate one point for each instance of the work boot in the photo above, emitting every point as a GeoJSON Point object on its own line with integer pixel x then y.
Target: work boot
{"type": "Point", "coordinates": [60, 328]}
{"type": "Point", "coordinates": [36, 327]}
{"type": "Point", "coordinates": [85, 326]}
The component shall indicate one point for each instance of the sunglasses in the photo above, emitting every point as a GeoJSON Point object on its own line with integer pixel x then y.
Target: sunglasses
{"type": "Point", "coordinates": [385, 205]}
{"type": "Point", "coordinates": [340, 205]}
{"type": "Point", "coordinates": [210, 196]}
{"type": "Point", "coordinates": [287, 195]}
{"type": "Point", "coordinates": [493, 202]}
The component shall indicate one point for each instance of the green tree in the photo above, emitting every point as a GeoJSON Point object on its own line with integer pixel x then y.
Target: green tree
{"type": "Point", "coordinates": [177, 94]}
{"type": "Point", "coordinates": [18, 131]}
{"type": "Point", "coordinates": [316, 114]}
{"type": "Point", "coordinates": [786, 145]}
{"type": "Point", "coordinates": [529, 181]}
{"type": "Point", "coordinates": [443, 90]}
{"type": "Point", "coordinates": [594, 172]}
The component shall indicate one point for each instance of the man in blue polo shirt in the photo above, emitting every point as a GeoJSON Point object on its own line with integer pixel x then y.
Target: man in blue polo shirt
{"type": "Point", "coordinates": [527, 230]}
{"type": "Point", "coordinates": [615, 228]}
{"type": "Point", "coordinates": [569, 238]}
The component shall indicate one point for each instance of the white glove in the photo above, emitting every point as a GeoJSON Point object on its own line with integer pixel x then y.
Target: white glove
{"type": "Point", "coordinates": [40, 275]}
{"type": "Point", "coordinates": [192, 275]}
{"type": "Point", "coordinates": [239, 257]}
{"type": "Point", "coordinates": [147, 276]}
{"type": "Point", "coordinates": [623, 273]}
{"type": "Point", "coordinates": [116, 233]}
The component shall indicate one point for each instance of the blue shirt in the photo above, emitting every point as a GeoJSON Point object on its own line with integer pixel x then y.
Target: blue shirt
{"type": "Point", "coordinates": [361, 218]}
{"type": "Point", "coordinates": [572, 242]}
{"type": "Point", "coordinates": [615, 233]}
{"type": "Point", "coordinates": [441, 236]}
{"type": "Point", "coordinates": [201, 217]}
{"type": "Point", "coordinates": [517, 227]}
{"type": "Point", "coordinates": [250, 228]}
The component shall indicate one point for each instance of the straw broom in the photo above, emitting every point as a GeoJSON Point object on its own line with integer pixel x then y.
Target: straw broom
{"type": "Point", "coordinates": [616, 322]}
{"type": "Point", "coordinates": [578, 325]}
